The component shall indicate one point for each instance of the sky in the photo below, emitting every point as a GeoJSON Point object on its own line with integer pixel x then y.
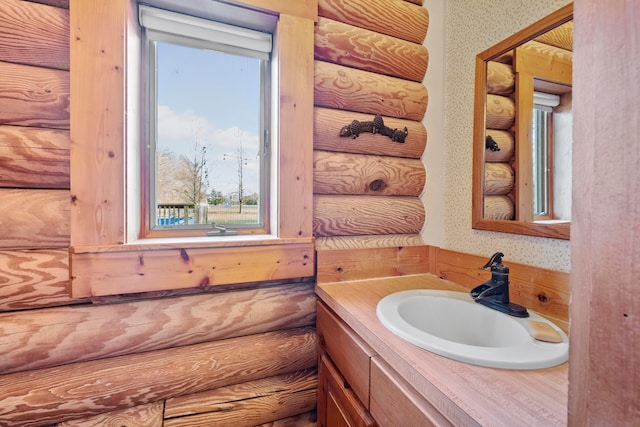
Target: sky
{"type": "Point", "coordinates": [210, 97]}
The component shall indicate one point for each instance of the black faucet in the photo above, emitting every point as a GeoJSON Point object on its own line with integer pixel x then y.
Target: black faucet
{"type": "Point", "coordinates": [495, 293]}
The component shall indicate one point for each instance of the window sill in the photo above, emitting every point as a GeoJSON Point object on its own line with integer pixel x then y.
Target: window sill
{"type": "Point", "coordinates": [200, 241]}
{"type": "Point", "coordinates": [553, 221]}
{"type": "Point", "coordinates": [167, 264]}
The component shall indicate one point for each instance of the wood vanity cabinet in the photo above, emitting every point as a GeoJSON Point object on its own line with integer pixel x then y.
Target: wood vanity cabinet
{"type": "Point", "coordinates": [343, 373]}
{"type": "Point", "coordinates": [338, 405]}
{"type": "Point", "coordinates": [356, 388]}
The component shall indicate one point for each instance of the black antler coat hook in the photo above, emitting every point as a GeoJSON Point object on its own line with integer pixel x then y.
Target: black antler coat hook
{"type": "Point", "coordinates": [355, 128]}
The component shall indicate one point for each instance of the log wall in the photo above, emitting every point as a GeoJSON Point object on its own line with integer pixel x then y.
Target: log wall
{"type": "Point", "coordinates": [243, 354]}
{"type": "Point", "coordinates": [367, 188]}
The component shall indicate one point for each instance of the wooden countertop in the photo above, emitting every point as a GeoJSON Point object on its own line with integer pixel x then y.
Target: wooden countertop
{"type": "Point", "coordinates": [468, 395]}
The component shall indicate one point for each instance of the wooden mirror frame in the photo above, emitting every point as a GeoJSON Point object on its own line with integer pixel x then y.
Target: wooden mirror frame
{"type": "Point", "coordinates": [550, 230]}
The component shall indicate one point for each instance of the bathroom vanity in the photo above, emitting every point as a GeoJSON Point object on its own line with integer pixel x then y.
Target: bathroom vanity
{"type": "Point", "coordinates": [369, 376]}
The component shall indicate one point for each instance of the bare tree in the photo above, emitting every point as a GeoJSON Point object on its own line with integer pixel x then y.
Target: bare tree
{"type": "Point", "coordinates": [184, 180]}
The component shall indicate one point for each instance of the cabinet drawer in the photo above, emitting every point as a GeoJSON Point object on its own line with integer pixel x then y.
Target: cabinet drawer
{"type": "Point", "coordinates": [338, 405]}
{"type": "Point", "coordinates": [395, 403]}
{"type": "Point", "coordinates": [347, 351]}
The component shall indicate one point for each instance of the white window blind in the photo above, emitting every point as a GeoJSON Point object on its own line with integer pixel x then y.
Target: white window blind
{"type": "Point", "coordinates": [164, 24]}
{"type": "Point", "coordinates": [545, 101]}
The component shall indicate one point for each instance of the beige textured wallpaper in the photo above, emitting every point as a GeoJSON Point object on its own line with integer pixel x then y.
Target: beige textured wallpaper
{"type": "Point", "coordinates": [471, 26]}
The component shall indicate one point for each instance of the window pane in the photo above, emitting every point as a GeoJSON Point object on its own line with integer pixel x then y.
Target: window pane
{"type": "Point", "coordinates": [540, 157]}
{"type": "Point", "coordinates": [209, 123]}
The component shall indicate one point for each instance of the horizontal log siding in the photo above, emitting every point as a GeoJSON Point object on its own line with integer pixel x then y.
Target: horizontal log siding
{"type": "Point", "coordinates": [326, 135]}
{"type": "Point", "coordinates": [414, 19]}
{"type": "Point", "coordinates": [364, 242]}
{"type": "Point", "coordinates": [140, 416]}
{"type": "Point", "coordinates": [359, 215]}
{"type": "Point", "coordinates": [366, 189]}
{"type": "Point", "coordinates": [69, 362]}
{"type": "Point", "coordinates": [34, 96]}
{"type": "Point", "coordinates": [355, 47]}
{"type": "Point", "coordinates": [247, 404]}
{"type": "Point", "coordinates": [65, 3]}
{"type": "Point", "coordinates": [34, 34]}
{"type": "Point", "coordinates": [345, 173]}
{"type": "Point", "coordinates": [34, 279]}
{"type": "Point", "coordinates": [34, 157]}
{"type": "Point", "coordinates": [345, 88]}
{"type": "Point", "coordinates": [35, 398]}
{"type": "Point", "coordinates": [34, 219]}
{"type": "Point", "coordinates": [51, 337]}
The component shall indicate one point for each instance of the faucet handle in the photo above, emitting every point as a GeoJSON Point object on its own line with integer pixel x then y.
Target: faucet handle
{"type": "Point", "coordinates": [496, 259]}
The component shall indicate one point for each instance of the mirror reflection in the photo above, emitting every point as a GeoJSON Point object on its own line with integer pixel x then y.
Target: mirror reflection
{"type": "Point", "coordinates": [523, 131]}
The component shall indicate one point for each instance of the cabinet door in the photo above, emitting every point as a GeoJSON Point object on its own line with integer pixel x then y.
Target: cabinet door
{"type": "Point", "coordinates": [338, 405]}
{"type": "Point", "coordinates": [347, 351]}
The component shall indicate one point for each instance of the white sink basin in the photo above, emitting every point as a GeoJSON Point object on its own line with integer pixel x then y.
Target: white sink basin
{"type": "Point", "coordinates": [451, 324]}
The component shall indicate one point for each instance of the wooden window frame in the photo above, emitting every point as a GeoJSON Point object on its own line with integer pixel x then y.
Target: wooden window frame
{"type": "Point", "coordinates": [101, 260]}
{"type": "Point", "coordinates": [527, 68]}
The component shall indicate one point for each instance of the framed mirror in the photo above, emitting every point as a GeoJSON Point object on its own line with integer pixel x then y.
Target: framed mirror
{"type": "Point", "coordinates": [523, 131]}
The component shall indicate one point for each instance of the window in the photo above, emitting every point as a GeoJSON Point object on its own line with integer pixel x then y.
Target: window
{"type": "Point", "coordinates": [206, 150]}
{"type": "Point", "coordinates": [551, 155]}
{"type": "Point", "coordinates": [541, 155]}
{"type": "Point", "coordinates": [107, 256]}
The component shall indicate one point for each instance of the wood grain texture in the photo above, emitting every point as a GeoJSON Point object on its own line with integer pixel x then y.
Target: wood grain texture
{"type": "Point", "coordinates": [139, 416]}
{"type": "Point", "coordinates": [308, 419]}
{"type": "Point", "coordinates": [506, 143]}
{"type": "Point", "coordinates": [605, 227]}
{"type": "Point", "coordinates": [340, 265]}
{"type": "Point", "coordinates": [346, 173]}
{"type": "Point", "coordinates": [96, 271]}
{"type": "Point", "coordinates": [34, 158]}
{"type": "Point", "coordinates": [307, 9]}
{"type": "Point", "coordinates": [64, 4]}
{"type": "Point", "coordinates": [326, 135]}
{"type": "Point", "coordinates": [344, 88]}
{"type": "Point", "coordinates": [541, 60]}
{"type": "Point", "coordinates": [364, 215]}
{"type": "Point", "coordinates": [499, 207]}
{"type": "Point", "coordinates": [394, 18]}
{"type": "Point", "coordinates": [68, 392]}
{"type": "Point", "coordinates": [500, 78]}
{"type": "Point", "coordinates": [501, 112]}
{"type": "Point", "coordinates": [457, 390]}
{"type": "Point", "coordinates": [34, 34]}
{"type": "Point", "coordinates": [346, 350]}
{"type": "Point", "coordinates": [560, 230]}
{"type": "Point", "coordinates": [524, 159]}
{"type": "Point", "coordinates": [34, 279]}
{"type": "Point", "coordinates": [295, 192]}
{"type": "Point", "coordinates": [39, 219]}
{"type": "Point", "coordinates": [34, 96]}
{"type": "Point", "coordinates": [98, 39]}
{"type": "Point", "coordinates": [394, 402]}
{"type": "Point", "coordinates": [338, 404]}
{"type": "Point", "coordinates": [367, 50]}
{"type": "Point", "coordinates": [246, 404]}
{"type": "Point", "coordinates": [51, 337]}
{"type": "Point", "coordinates": [561, 36]}
{"type": "Point", "coordinates": [372, 241]}
{"type": "Point", "coordinates": [542, 290]}
{"type": "Point", "coordinates": [499, 178]}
